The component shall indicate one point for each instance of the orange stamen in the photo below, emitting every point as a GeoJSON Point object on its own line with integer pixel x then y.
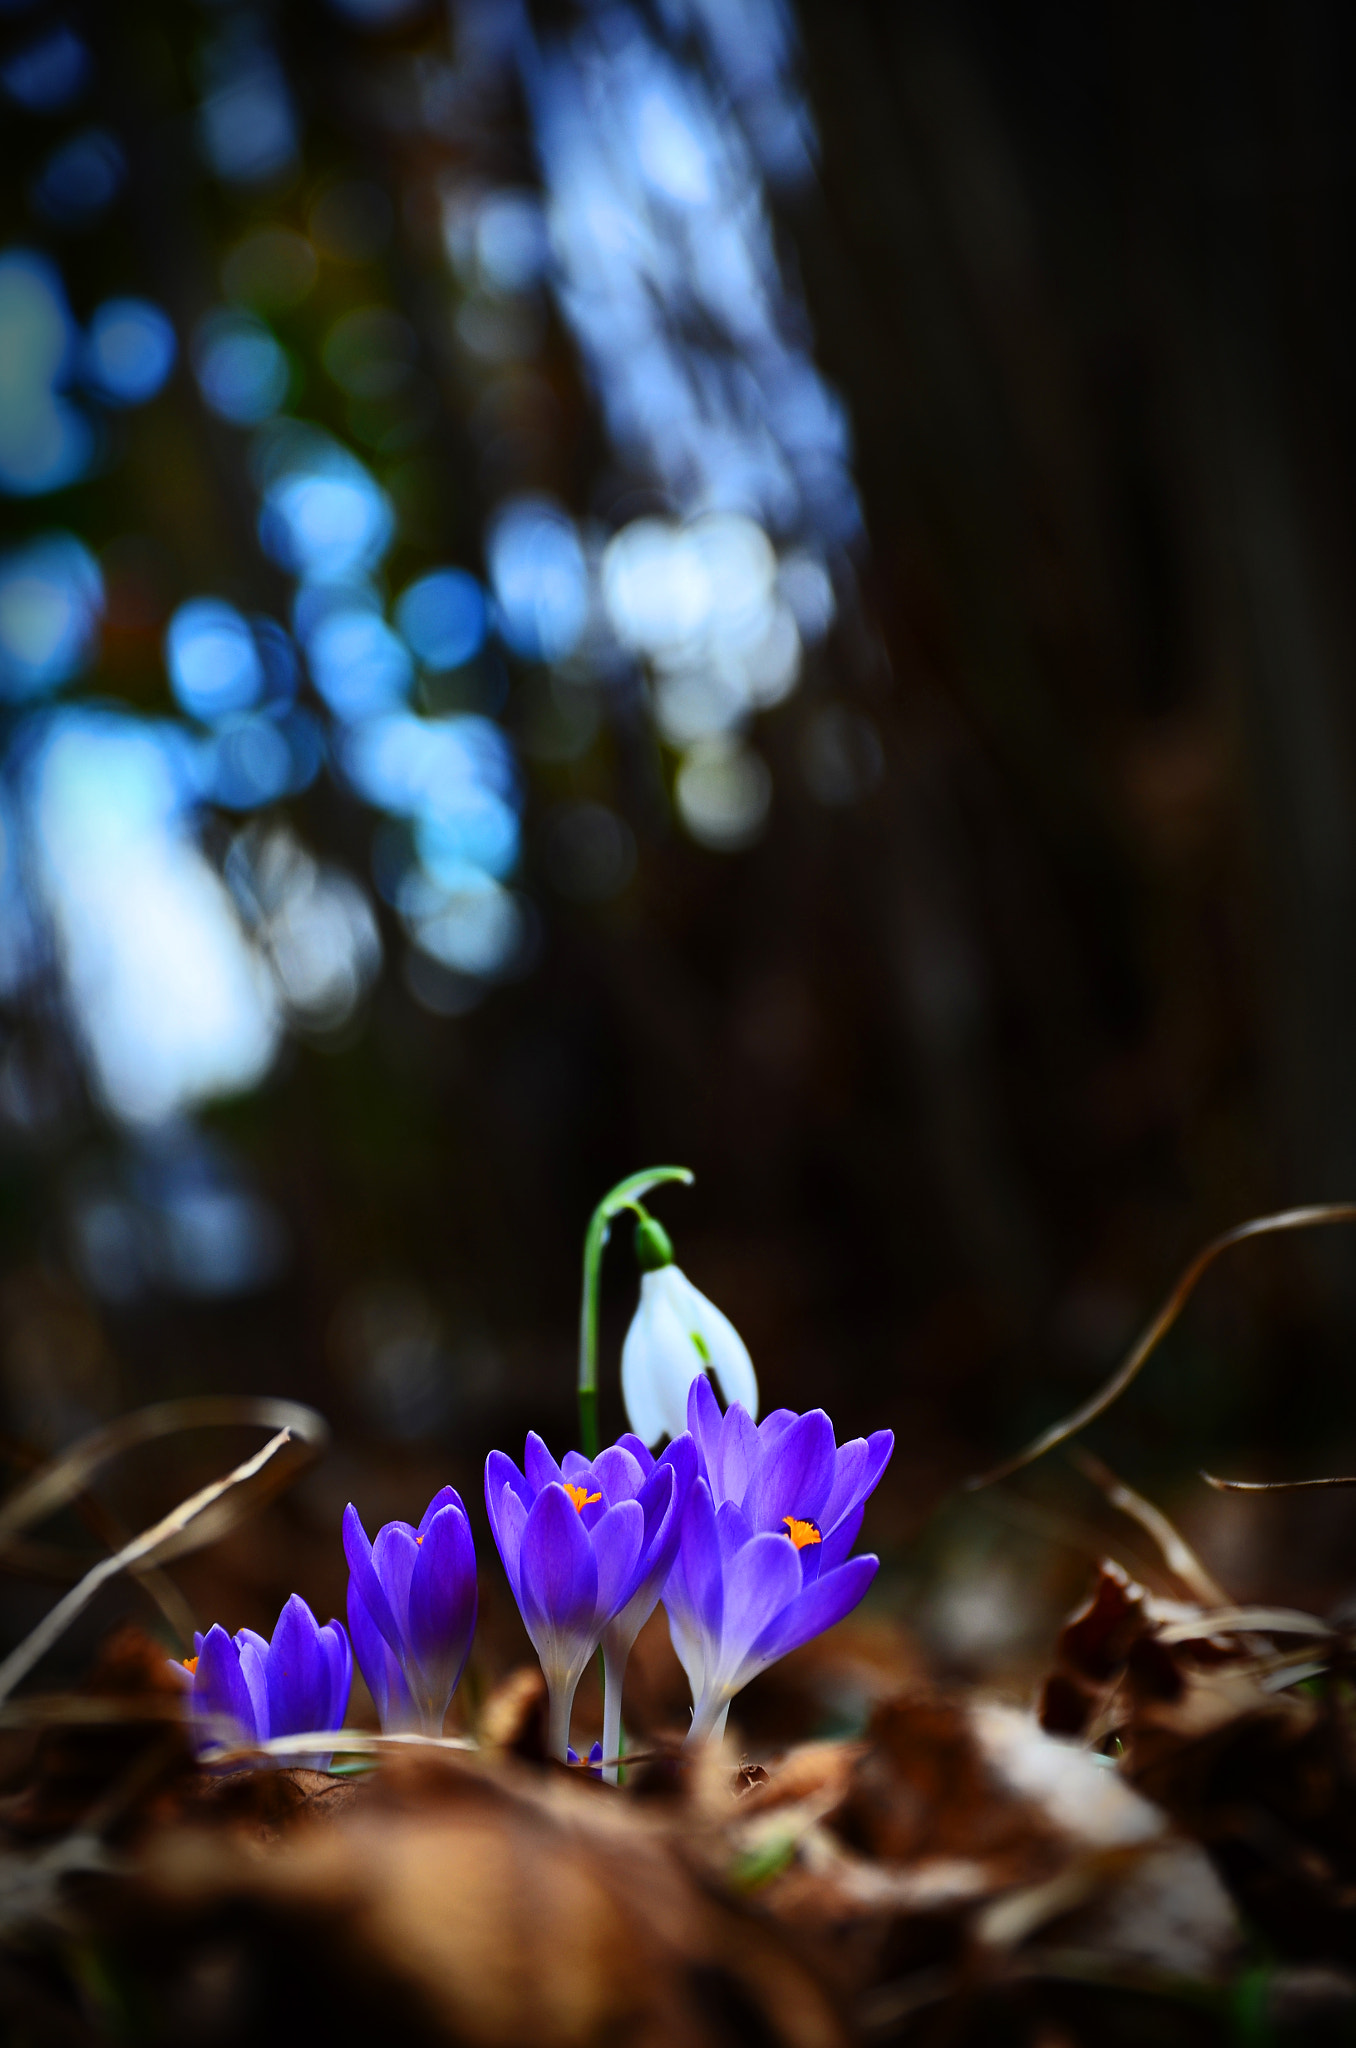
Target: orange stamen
{"type": "Point", "coordinates": [580, 1497]}
{"type": "Point", "coordinates": [801, 1533]}
{"type": "Point", "coordinates": [190, 1664]}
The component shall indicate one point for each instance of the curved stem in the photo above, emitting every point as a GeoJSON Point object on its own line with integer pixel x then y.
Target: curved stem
{"type": "Point", "coordinates": [623, 1196]}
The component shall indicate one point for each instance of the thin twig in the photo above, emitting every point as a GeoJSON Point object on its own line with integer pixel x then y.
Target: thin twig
{"type": "Point", "coordinates": [1259, 1226]}
{"type": "Point", "coordinates": [54, 1624]}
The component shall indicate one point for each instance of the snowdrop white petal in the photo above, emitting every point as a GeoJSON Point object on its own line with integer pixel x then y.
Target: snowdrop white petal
{"type": "Point", "coordinates": [674, 1335]}
{"type": "Point", "coordinates": [727, 1351]}
{"type": "Point", "coordinates": [659, 1362]}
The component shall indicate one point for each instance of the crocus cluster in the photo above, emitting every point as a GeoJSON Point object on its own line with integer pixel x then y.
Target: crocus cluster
{"type": "Point", "coordinates": [588, 1549]}
{"type": "Point", "coordinates": [245, 1689]}
{"type": "Point", "coordinates": [743, 1529]}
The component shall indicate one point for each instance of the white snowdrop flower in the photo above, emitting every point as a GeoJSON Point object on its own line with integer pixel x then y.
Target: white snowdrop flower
{"type": "Point", "coordinates": [675, 1335]}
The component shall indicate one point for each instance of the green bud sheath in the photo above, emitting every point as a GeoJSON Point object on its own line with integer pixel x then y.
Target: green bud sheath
{"type": "Point", "coordinates": [654, 1248]}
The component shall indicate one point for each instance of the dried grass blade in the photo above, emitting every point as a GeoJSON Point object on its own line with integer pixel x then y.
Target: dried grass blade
{"type": "Point", "coordinates": [1269, 1485]}
{"type": "Point", "coordinates": [1310, 1218]}
{"type": "Point", "coordinates": [1233, 1621]}
{"type": "Point", "coordinates": [68, 1476]}
{"type": "Point", "coordinates": [339, 1742]}
{"type": "Point", "coordinates": [141, 1548]}
{"type": "Point", "coordinates": [1177, 1553]}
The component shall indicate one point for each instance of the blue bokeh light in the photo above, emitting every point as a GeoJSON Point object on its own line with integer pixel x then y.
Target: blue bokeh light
{"type": "Point", "coordinates": [241, 370]}
{"type": "Point", "coordinates": [473, 924]}
{"type": "Point", "coordinates": [130, 351]}
{"type": "Point", "coordinates": [442, 616]}
{"type": "Point", "coordinates": [539, 576]}
{"type": "Point", "coordinates": [245, 123]}
{"type": "Point", "coordinates": [358, 664]}
{"type": "Point", "coordinates": [45, 442]}
{"type": "Point", "coordinates": [171, 1002]}
{"type": "Point", "coordinates": [213, 662]}
{"type": "Point", "coordinates": [80, 179]}
{"type": "Point", "coordinates": [323, 514]}
{"type": "Point", "coordinates": [473, 828]}
{"type": "Point", "coordinates": [413, 766]}
{"type": "Point", "coordinates": [51, 596]}
{"type": "Point", "coordinates": [251, 763]}
{"type": "Point", "coordinates": [379, 14]}
{"type": "Point", "coordinates": [279, 657]}
{"type": "Point", "coordinates": [46, 75]}
{"type": "Point", "coordinates": [511, 243]}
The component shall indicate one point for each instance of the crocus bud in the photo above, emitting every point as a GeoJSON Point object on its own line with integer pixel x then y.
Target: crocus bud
{"type": "Point", "coordinates": [675, 1334]}
{"type": "Point", "coordinates": [412, 1611]}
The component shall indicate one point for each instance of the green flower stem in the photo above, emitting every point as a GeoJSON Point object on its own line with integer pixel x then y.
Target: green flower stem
{"type": "Point", "coordinates": [626, 1195]}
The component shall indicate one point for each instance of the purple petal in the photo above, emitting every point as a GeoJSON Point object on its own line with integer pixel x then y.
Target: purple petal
{"type": "Point", "coordinates": [795, 1476]}
{"type": "Point", "coordinates": [682, 1457]}
{"type": "Point", "coordinates": [220, 1689]}
{"type": "Point", "coordinates": [738, 1455]}
{"type": "Point", "coordinates": [859, 1468]}
{"type": "Point", "coordinates": [394, 1550]}
{"type": "Point", "coordinates": [508, 1534]}
{"type": "Point", "coordinates": [733, 1529]}
{"type": "Point", "coordinates": [837, 1545]}
{"type": "Point", "coordinates": [559, 1574]}
{"type": "Point", "coordinates": [298, 1673]}
{"type": "Point", "coordinates": [445, 1497]}
{"type": "Point", "coordinates": [661, 1503]}
{"type": "Point", "coordinates": [774, 1425]}
{"type": "Point", "coordinates": [620, 1475]}
{"type": "Point", "coordinates": [254, 1670]}
{"type": "Point", "coordinates": [362, 1574]}
{"type": "Point", "coordinates": [385, 1679]}
{"type": "Point", "coordinates": [443, 1603]}
{"type": "Point", "coordinates": [540, 1467]}
{"type": "Point", "coordinates": [501, 1472]}
{"type": "Point", "coordinates": [339, 1658]}
{"type": "Point", "coordinates": [694, 1585]}
{"type": "Point", "coordinates": [617, 1542]}
{"type": "Point", "coordinates": [703, 1421]}
{"type": "Point", "coordinates": [761, 1580]}
{"type": "Point", "coordinates": [816, 1608]}
{"type": "Point", "coordinates": [643, 1455]}
{"type": "Point", "coordinates": [660, 1506]}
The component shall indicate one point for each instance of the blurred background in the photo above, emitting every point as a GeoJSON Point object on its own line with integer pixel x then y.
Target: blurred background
{"type": "Point", "coordinates": [754, 584]}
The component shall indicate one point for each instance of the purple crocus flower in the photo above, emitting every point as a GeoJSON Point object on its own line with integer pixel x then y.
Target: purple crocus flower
{"type": "Point", "coordinates": [295, 1684]}
{"type": "Point", "coordinates": [587, 1548]}
{"type": "Point", "coordinates": [763, 1560]}
{"type": "Point", "coordinates": [412, 1611]}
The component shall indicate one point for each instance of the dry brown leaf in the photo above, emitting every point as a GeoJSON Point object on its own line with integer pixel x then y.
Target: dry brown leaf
{"type": "Point", "coordinates": [502, 1908]}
